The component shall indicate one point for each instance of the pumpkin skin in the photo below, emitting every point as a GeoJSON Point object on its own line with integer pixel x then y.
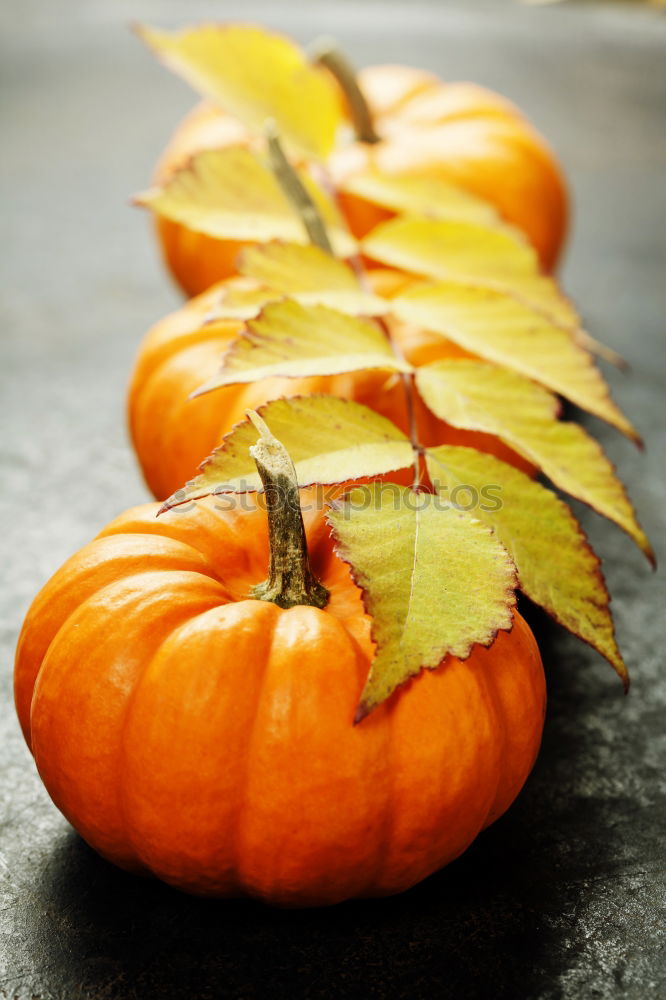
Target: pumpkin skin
{"type": "Point", "coordinates": [172, 434]}
{"type": "Point", "coordinates": [465, 134]}
{"type": "Point", "coordinates": [468, 136]}
{"type": "Point", "coordinates": [194, 734]}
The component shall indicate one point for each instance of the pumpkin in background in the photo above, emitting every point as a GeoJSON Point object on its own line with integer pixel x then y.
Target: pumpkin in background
{"type": "Point", "coordinates": [464, 134]}
{"type": "Point", "coordinates": [172, 434]}
{"type": "Point", "coordinates": [190, 731]}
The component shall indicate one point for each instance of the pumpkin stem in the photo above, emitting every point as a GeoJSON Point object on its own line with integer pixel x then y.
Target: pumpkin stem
{"type": "Point", "coordinates": [294, 189]}
{"type": "Point", "coordinates": [326, 54]}
{"type": "Point", "coordinates": [290, 579]}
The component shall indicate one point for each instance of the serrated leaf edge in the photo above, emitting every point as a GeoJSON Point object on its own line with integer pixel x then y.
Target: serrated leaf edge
{"type": "Point", "coordinates": [364, 709]}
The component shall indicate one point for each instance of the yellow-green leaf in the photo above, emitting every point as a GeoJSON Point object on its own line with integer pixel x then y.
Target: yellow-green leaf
{"type": "Point", "coordinates": [434, 581]}
{"type": "Point", "coordinates": [254, 75]}
{"type": "Point", "coordinates": [451, 249]}
{"type": "Point", "coordinates": [497, 327]}
{"type": "Point", "coordinates": [466, 250]}
{"type": "Point", "coordinates": [237, 298]}
{"type": "Point", "coordinates": [422, 194]}
{"type": "Point", "coordinates": [310, 275]}
{"type": "Point", "coordinates": [483, 397]}
{"type": "Point", "coordinates": [269, 271]}
{"type": "Point", "coordinates": [491, 255]}
{"type": "Point", "coordinates": [485, 252]}
{"type": "Point", "coordinates": [557, 568]}
{"type": "Point", "coordinates": [294, 341]}
{"type": "Point", "coordinates": [344, 441]}
{"type": "Point", "coordinates": [231, 194]}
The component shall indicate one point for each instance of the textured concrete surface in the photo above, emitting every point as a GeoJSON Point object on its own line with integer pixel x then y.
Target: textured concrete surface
{"type": "Point", "coordinates": [564, 897]}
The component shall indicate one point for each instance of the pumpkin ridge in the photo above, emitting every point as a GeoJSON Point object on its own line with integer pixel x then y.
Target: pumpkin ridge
{"type": "Point", "coordinates": [125, 786]}
{"type": "Point", "coordinates": [529, 687]}
{"type": "Point", "coordinates": [165, 766]}
{"type": "Point", "coordinates": [389, 804]}
{"type": "Point", "coordinates": [141, 600]}
{"type": "Point", "coordinates": [65, 586]}
{"type": "Point", "coordinates": [268, 742]}
{"type": "Point", "coordinates": [252, 735]}
{"type": "Point", "coordinates": [501, 735]}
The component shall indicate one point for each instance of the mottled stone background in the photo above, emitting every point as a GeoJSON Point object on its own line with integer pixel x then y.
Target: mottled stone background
{"type": "Point", "coordinates": [564, 897]}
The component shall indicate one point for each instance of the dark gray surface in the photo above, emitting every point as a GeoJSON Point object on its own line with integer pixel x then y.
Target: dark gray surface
{"type": "Point", "coordinates": [564, 897]}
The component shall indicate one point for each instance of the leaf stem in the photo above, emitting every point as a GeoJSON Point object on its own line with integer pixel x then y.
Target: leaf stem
{"type": "Point", "coordinates": [408, 385]}
{"type": "Point", "coordinates": [328, 55]}
{"type": "Point", "coordinates": [295, 191]}
{"type": "Point", "coordinates": [290, 578]}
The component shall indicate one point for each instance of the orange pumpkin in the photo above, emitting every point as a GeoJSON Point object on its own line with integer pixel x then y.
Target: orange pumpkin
{"type": "Point", "coordinates": [172, 434]}
{"type": "Point", "coordinates": [463, 133]}
{"type": "Point", "coordinates": [203, 736]}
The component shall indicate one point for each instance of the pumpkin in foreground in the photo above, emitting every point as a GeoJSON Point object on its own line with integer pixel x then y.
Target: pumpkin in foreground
{"type": "Point", "coordinates": [196, 725]}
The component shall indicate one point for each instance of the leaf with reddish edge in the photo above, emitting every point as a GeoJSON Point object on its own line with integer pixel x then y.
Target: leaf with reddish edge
{"type": "Point", "coordinates": [345, 441]}
{"type": "Point", "coordinates": [435, 582]}
{"type": "Point", "coordinates": [556, 565]}
{"type": "Point", "coordinates": [482, 397]}
{"type": "Point", "coordinates": [294, 341]}
{"type": "Point", "coordinates": [498, 328]}
{"type": "Point", "coordinates": [484, 252]}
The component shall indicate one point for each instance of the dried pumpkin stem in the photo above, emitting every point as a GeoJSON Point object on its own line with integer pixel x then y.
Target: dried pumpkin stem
{"type": "Point", "coordinates": [326, 54]}
{"type": "Point", "coordinates": [295, 190]}
{"type": "Point", "coordinates": [290, 578]}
